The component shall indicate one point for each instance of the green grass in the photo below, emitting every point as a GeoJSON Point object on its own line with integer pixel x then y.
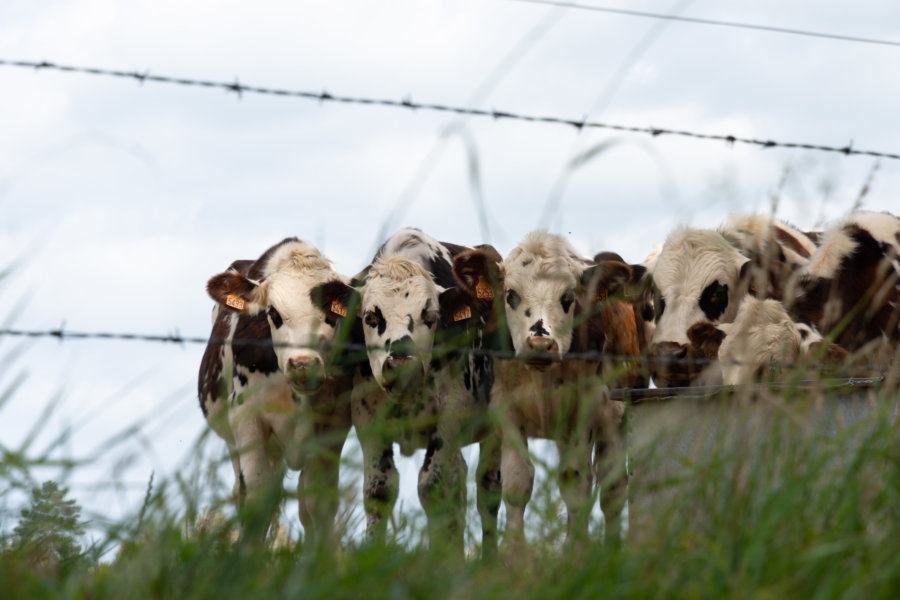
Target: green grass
{"type": "Point", "coordinates": [770, 498]}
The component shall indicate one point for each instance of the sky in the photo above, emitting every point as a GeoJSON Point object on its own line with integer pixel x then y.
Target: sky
{"type": "Point", "coordinates": [119, 200]}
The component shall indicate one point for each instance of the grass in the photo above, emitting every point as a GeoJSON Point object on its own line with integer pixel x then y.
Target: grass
{"type": "Point", "coordinates": [762, 498]}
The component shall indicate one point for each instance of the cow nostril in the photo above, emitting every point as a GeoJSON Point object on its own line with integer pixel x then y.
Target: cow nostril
{"type": "Point", "coordinates": [302, 363]}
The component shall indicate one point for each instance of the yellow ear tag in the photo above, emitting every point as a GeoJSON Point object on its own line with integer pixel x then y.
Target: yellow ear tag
{"type": "Point", "coordinates": [338, 308]}
{"type": "Point", "coordinates": [483, 289]}
{"type": "Point", "coordinates": [234, 301]}
{"type": "Point", "coordinates": [462, 314]}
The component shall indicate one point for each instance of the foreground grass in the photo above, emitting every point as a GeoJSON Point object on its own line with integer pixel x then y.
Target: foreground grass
{"type": "Point", "coordinates": [799, 511]}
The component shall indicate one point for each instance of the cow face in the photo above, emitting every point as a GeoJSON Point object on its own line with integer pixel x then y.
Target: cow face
{"type": "Point", "coordinates": [400, 310]}
{"type": "Point", "coordinates": [697, 277]}
{"type": "Point", "coordinates": [290, 295]}
{"type": "Point", "coordinates": [540, 282]}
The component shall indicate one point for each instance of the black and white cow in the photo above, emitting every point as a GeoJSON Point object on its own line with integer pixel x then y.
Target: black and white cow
{"type": "Point", "coordinates": [701, 276]}
{"type": "Point", "coordinates": [544, 292]}
{"type": "Point", "coordinates": [850, 288]}
{"type": "Point", "coordinates": [431, 392]}
{"type": "Point", "coordinates": [268, 384]}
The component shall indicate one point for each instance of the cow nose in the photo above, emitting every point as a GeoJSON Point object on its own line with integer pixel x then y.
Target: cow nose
{"type": "Point", "coordinates": [396, 361]}
{"type": "Point", "coordinates": [303, 363]}
{"type": "Point", "coordinates": [539, 343]}
{"type": "Point", "coordinates": [669, 350]}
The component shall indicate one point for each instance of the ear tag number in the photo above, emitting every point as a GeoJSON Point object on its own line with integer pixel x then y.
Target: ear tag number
{"type": "Point", "coordinates": [462, 314]}
{"type": "Point", "coordinates": [483, 289]}
{"type": "Point", "coordinates": [338, 308]}
{"type": "Point", "coordinates": [234, 301]}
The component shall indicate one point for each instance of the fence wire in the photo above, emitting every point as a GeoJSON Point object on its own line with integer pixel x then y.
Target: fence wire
{"type": "Point", "coordinates": [238, 88]}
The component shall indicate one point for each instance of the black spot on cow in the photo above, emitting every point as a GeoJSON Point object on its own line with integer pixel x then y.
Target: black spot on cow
{"type": "Point", "coordinates": [275, 316]}
{"type": "Point", "coordinates": [567, 300]}
{"type": "Point", "coordinates": [538, 329]}
{"type": "Point", "coordinates": [243, 379]}
{"type": "Point", "coordinates": [714, 300]}
{"type": "Point", "coordinates": [513, 299]}
{"type": "Point", "coordinates": [410, 323]}
{"type": "Point", "coordinates": [468, 380]}
{"type": "Point", "coordinates": [249, 353]}
{"type": "Point", "coordinates": [375, 319]}
{"type": "Point", "coordinates": [386, 460]}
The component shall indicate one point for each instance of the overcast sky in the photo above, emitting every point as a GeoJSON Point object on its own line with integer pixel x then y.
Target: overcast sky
{"type": "Point", "coordinates": [119, 200]}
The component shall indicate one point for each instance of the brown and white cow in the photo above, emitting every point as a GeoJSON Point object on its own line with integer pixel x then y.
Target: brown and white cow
{"type": "Point", "coordinates": [421, 334]}
{"type": "Point", "coordinates": [850, 289]}
{"type": "Point", "coordinates": [763, 342]}
{"type": "Point", "coordinates": [268, 382]}
{"type": "Point", "coordinates": [541, 389]}
{"type": "Point", "coordinates": [702, 275]}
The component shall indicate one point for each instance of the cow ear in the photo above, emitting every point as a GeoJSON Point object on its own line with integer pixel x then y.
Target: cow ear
{"type": "Point", "coordinates": [747, 277]}
{"type": "Point", "coordinates": [336, 299]}
{"type": "Point", "coordinates": [606, 278]}
{"type": "Point", "coordinates": [455, 307]}
{"type": "Point", "coordinates": [237, 292]}
{"type": "Point", "coordinates": [707, 338]}
{"type": "Point", "coordinates": [478, 272]}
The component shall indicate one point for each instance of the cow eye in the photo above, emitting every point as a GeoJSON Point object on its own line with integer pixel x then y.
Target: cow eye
{"type": "Point", "coordinates": [566, 300]}
{"type": "Point", "coordinates": [429, 319]}
{"type": "Point", "coordinates": [513, 299]}
{"type": "Point", "coordinates": [275, 316]}
{"type": "Point", "coordinates": [371, 319]}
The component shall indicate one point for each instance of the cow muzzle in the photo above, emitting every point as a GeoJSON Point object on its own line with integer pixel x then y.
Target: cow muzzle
{"type": "Point", "coordinates": [540, 351]}
{"type": "Point", "coordinates": [402, 376]}
{"type": "Point", "coordinates": [306, 373]}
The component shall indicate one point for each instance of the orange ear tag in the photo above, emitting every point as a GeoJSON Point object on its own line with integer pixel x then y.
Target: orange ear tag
{"type": "Point", "coordinates": [462, 314]}
{"type": "Point", "coordinates": [338, 308]}
{"type": "Point", "coordinates": [483, 289]}
{"type": "Point", "coordinates": [234, 301]}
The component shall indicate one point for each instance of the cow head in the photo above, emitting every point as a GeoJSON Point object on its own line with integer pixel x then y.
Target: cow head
{"type": "Point", "coordinates": [541, 279]}
{"type": "Point", "coordinates": [400, 311]}
{"type": "Point", "coordinates": [698, 276]}
{"type": "Point", "coordinates": [293, 280]}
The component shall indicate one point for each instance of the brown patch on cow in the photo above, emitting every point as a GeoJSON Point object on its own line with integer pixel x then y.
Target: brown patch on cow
{"type": "Point", "coordinates": [231, 289]}
{"type": "Point", "coordinates": [706, 338]}
{"type": "Point", "coordinates": [210, 386]}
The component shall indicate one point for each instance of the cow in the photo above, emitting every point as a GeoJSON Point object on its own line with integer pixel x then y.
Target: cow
{"type": "Point", "coordinates": [850, 288]}
{"type": "Point", "coordinates": [428, 388]}
{"type": "Point", "coordinates": [763, 342]}
{"type": "Point", "coordinates": [702, 275]}
{"type": "Point", "coordinates": [546, 382]}
{"type": "Point", "coordinates": [270, 383]}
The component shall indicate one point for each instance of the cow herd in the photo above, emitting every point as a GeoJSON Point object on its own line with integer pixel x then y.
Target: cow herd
{"type": "Point", "coordinates": [436, 346]}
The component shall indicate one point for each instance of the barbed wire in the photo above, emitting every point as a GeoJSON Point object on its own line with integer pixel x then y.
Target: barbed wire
{"type": "Point", "coordinates": [407, 103]}
{"type": "Point", "coordinates": [440, 350]}
{"type": "Point", "coordinates": [715, 22]}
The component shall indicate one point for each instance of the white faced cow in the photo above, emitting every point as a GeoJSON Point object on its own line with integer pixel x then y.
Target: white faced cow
{"type": "Point", "coordinates": [541, 392]}
{"type": "Point", "coordinates": [701, 276]}
{"type": "Point", "coordinates": [850, 289]}
{"type": "Point", "coordinates": [420, 336]}
{"type": "Point", "coordinates": [268, 384]}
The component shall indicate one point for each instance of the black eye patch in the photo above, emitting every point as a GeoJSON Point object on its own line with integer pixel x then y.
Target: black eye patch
{"type": "Point", "coordinates": [513, 299]}
{"type": "Point", "coordinates": [566, 300]}
{"type": "Point", "coordinates": [714, 300]}
{"type": "Point", "coordinates": [375, 318]}
{"type": "Point", "coordinates": [277, 321]}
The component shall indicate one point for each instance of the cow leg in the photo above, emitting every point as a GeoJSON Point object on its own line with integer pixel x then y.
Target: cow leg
{"type": "Point", "coordinates": [489, 493]}
{"type": "Point", "coordinates": [575, 480]}
{"type": "Point", "coordinates": [517, 481]}
{"type": "Point", "coordinates": [612, 475]}
{"type": "Point", "coordinates": [442, 492]}
{"type": "Point", "coordinates": [317, 490]}
{"type": "Point", "coordinates": [255, 475]}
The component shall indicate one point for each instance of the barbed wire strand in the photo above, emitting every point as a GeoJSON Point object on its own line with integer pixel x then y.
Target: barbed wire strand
{"type": "Point", "coordinates": [714, 22]}
{"type": "Point", "coordinates": [350, 347]}
{"type": "Point", "coordinates": [407, 103]}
